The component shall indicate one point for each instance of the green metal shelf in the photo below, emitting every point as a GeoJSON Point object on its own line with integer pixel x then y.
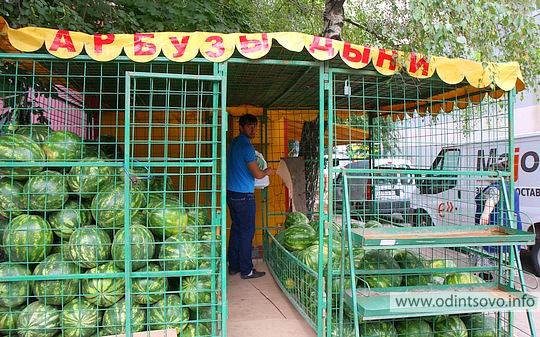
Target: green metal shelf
{"type": "Point", "coordinates": [441, 236]}
{"type": "Point", "coordinates": [382, 303]}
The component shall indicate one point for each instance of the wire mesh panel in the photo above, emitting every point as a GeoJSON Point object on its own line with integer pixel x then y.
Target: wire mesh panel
{"type": "Point", "coordinates": [111, 199]}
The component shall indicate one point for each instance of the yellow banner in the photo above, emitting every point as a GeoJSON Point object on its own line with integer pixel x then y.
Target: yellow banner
{"type": "Point", "coordinates": [216, 47]}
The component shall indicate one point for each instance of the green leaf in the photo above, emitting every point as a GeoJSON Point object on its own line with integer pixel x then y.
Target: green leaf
{"type": "Point", "coordinates": [461, 39]}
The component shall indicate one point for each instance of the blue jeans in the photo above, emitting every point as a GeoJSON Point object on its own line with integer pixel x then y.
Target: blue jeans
{"type": "Point", "coordinates": [242, 210]}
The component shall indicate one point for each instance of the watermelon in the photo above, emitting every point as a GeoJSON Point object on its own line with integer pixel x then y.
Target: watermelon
{"type": "Point", "coordinates": [80, 318]}
{"type": "Point", "coordinates": [28, 238]}
{"type": "Point", "coordinates": [115, 318]}
{"type": "Point", "coordinates": [197, 216]}
{"type": "Point", "coordinates": [414, 327]}
{"type": "Point", "coordinates": [409, 259]}
{"type": "Point", "coordinates": [39, 133]}
{"type": "Point", "coordinates": [89, 246]}
{"type": "Point", "coordinates": [196, 290]}
{"type": "Point", "coordinates": [443, 264]}
{"type": "Point", "coordinates": [142, 247]}
{"type": "Point", "coordinates": [344, 330]}
{"type": "Point", "coordinates": [196, 329]}
{"type": "Point", "coordinates": [63, 145]}
{"type": "Point", "coordinates": [298, 237]}
{"type": "Point", "coordinates": [161, 183]}
{"type": "Point", "coordinates": [378, 329]}
{"type": "Point", "coordinates": [177, 253]}
{"type": "Point", "coordinates": [67, 220]}
{"type": "Point", "coordinates": [280, 237]}
{"type": "Point", "coordinates": [13, 293]}
{"type": "Point", "coordinates": [449, 326]}
{"type": "Point", "coordinates": [12, 198]}
{"type": "Point", "coordinates": [310, 256]}
{"type": "Point", "coordinates": [47, 190]}
{"type": "Point", "coordinates": [20, 149]}
{"type": "Point", "coordinates": [104, 291]}
{"type": "Point", "coordinates": [38, 320]}
{"type": "Point", "coordinates": [295, 218]}
{"type": "Point", "coordinates": [148, 290]}
{"type": "Point", "coordinates": [108, 205]}
{"type": "Point", "coordinates": [88, 178]}
{"type": "Point", "coordinates": [59, 290]}
{"type": "Point", "coordinates": [167, 218]}
{"type": "Point", "coordinates": [91, 150]}
{"type": "Point", "coordinates": [462, 278]}
{"type": "Point", "coordinates": [139, 219]}
{"type": "Point", "coordinates": [481, 325]}
{"type": "Point", "coordinates": [383, 261]}
{"type": "Point", "coordinates": [373, 224]}
{"type": "Point", "coordinates": [8, 319]}
{"type": "Point", "coordinates": [168, 313]}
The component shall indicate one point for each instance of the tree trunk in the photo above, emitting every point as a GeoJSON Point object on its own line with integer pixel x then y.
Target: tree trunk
{"type": "Point", "coordinates": [334, 17]}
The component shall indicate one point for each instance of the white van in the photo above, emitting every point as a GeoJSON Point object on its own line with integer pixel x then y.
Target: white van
{"type": "Point", "coordinates": [381, 190]}
{"type": "Point", "coordinates": [446, 199]}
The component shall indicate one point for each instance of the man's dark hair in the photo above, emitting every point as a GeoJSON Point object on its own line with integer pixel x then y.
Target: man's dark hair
{"type": "Point", "coordinates": [247, 119]}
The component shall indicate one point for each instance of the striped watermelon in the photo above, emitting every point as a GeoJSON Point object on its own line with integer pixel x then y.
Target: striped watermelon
{"type": "Point", "coordinates": [295, 218]}
{"type": "Point", "coordinates": [481, 325]}
{"type": "Point", "coordinates": [142, 247]}
{"type": "Point", "coordinates": [148, 290]}
{"type": "Point", "coordinates": [299, 236]}
{"type": "Point", "coordinates": [196, 329]}
{"type": "Point", "coordinates": [115, 317]}
{"type": "Point", "coordinates": [108, 205]}
{"type": "Point", "coordinates": [13, 293]}
{"type": "Point", "coordinates": [39, 133]}
{"type": "Point", "coordinates": [104, 291]}
{"type": "Point", "coordinates": [380, 260]}
{"type": "Point", "coordinates": [196, 290]}
{"type": "Point", "coordinates": [414, 327]}
{"type": "Point", "coordinates": [18, 148]}
{"type": "Point", "coordinates": [80, 318]}
{"type": "Point", "coordinates": [8, 319]}
{"type": "Point", "coordinates": [378, 329]}
{"type": "Point", "coordinates": [197, 216]}
{"type": "Point", "coordinates": [88, 178]}
{"type": "Point", "coordinates": [161, 183]}
{"type": "Point", "coordinates": [63, 145]}
{"type": "Point", "coordinates": [67, 220]}
{"type": "Point", "coordinates": [167, 218]}
{"type": "Point", "coordinates": [12, 198]}
{"type": "Point", "coordinates": [47, 190]}
{"type": "Point", "coordinates": [55, 291]}
{"type": "Point", "coordinates": [28, 238]}
{"type": "Point", "coordinates": [310, 256]}
{"type": "Point", "coordinates": [168, 313]}
{"type": "Point", "coordinates": [38, 320]}
{"type": "Point", "coordinates": [462, 278]}
{"type": "Point", "coordinates": [177, 253]}
{"type": "Point", "coordinates": [89, 246]}
{"type": "Point", "coordinates": [443, 264]}
{"type": "Point", "coordinates": [449, 326]}
{"type": "Point", "coordinates": [410, 259]}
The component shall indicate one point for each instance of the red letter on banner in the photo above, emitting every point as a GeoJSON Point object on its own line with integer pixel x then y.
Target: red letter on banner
{"type": "Point", "coordinates": [383, 56]}
{"type": "Point", "coordinates": [218, 44]}
{"type": "Point", "coordinates": [414, 65]}
{"type": "Point", "coordinates": [179, 46]}
{"type": "Point", "coordinates": [63, 40]}
{"type": "Point", "coordinates": [100, 40]}
{"type": "Point", "coordinates": [315, 45]}
{"type": "Point", "coordinates": [355, 55]}
{"type": "Point", "coordinates": [143, 48]}
{"type": "Point", "coordinates": [256, 45]}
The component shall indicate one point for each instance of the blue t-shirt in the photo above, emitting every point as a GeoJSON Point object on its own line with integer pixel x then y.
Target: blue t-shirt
{"type": "Point", "coordinates": [239, 177]}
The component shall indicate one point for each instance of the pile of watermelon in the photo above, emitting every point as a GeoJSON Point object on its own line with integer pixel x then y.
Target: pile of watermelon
{"type": "Point", "coordinates": [75, 223]}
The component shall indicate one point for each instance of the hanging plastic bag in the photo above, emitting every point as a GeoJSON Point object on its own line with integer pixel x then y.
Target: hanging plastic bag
{"type": "Point", "coordinates": [263, 182]}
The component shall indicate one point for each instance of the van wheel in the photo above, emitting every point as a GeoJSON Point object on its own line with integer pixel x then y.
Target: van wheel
{"type": "Point", "coordinates": [535, 257]}
{"type": "Point", "coordinates": [422, 219]}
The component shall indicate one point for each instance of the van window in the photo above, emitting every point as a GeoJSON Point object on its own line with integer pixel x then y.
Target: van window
{"type": "Point", "coordinates": [447, 160]}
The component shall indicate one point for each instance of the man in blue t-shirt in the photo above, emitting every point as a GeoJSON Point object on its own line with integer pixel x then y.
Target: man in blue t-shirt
{"type": "Point", "coordinates": [242, 170]}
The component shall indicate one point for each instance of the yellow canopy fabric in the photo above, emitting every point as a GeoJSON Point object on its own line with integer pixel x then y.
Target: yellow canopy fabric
{"type": "Point", "coordinates": [215, 47]}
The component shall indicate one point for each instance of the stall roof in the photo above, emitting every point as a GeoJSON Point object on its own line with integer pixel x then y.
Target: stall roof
{"type": "Point", "coordinates": [253, 81]}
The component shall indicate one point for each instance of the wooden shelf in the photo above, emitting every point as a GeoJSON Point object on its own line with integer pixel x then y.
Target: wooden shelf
{"type": "Point", "coordinates": [440, 236]}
